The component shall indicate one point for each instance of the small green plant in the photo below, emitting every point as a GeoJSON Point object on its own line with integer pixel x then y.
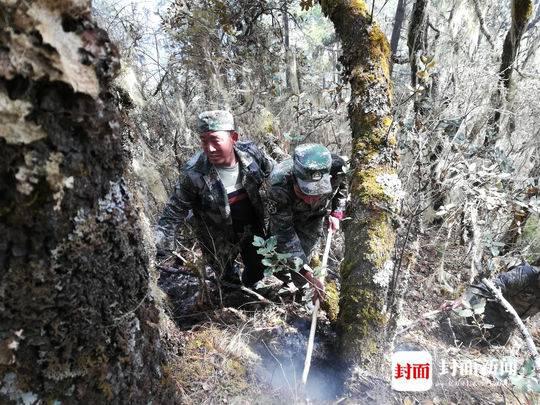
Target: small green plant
{"type": "Point", "coordinates": [467, 310]}
{"type": "Point", "coordinates": [475, 313]}
{"type": "Point", "coordinates": [273, 260]}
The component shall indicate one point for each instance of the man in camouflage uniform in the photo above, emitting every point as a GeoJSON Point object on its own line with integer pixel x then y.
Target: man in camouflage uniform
{"type": "Point", "coordinates": [302, 191]}
{"type": "Point", "coordinates": [520, 286]}
{"type": "Point", "coordinates": [220, 186]}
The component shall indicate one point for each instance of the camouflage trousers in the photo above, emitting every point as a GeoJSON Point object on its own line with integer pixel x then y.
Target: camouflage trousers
{"type": "Point", "coordinates": [221, 256]}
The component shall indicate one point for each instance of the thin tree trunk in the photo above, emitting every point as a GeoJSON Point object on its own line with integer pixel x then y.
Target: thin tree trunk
{"type": "Point", "coordinates": [416, 37]}
{"type": "Point", "coordinates": [520, 215]}
{"type": "Point", "coordinates": [77, 317]}
{"type": "Point", "coordinates": [370, 235]}
{"type": "Point", "coordinates": [521, 13]}
{"type": "Point", "coordinates": [420, 59]}
{"type": "Point", "coordinates": [290, 59]}
{"type": "Point", "coordinates": [481, 21]}
{"type": "Point", "coordinates": [536, 18]}
{"type": "Point", "coordinates": [533, 47]}
{"type": "Point", "coordinates": [396, 30]}
{"type": "Point", "coordinates": [533, 42]}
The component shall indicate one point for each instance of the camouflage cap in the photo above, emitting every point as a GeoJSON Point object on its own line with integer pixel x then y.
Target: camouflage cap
{"type": "Point", "coordinates": [216, 120]}
{"type": "Point", "coordinates": [312, 163]}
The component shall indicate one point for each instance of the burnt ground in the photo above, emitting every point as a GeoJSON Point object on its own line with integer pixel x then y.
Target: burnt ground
{"type": "Point", "coordinates": [268, 340]}
{"type": "Point", "coordinates": [240, 349]}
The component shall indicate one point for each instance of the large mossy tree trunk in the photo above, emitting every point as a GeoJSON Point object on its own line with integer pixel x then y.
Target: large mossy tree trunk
{"type": "Point", "coordinates": [375, 187]}
{"type": "Point", "coordinates": [77, 320]}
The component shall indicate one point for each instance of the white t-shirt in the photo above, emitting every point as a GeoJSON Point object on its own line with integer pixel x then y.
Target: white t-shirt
{"type": "Point", "coordinates": [230, 177]}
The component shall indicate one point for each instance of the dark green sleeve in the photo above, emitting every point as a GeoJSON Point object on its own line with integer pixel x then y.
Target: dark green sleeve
{"type": "Point", "coordinates": [517, 279]}
{"type": "Point", "coordinates": [175, 212]}
{"type": "Point", "coordinates": [511, 282]}
{"type": "Point", "coordinates": [281, 223]}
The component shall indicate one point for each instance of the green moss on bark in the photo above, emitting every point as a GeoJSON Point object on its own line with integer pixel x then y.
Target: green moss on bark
{"type": "Point", "coordinates": [331, 304]}
{"type": "Point", "coordinates": [369, 236]}
{"type": "Point", "coordinates": [367, 188]}
{"type": "Point", "coordinates": [375, 133]}
{"type": "Point", "coordinates": [359, 315]}
{"type": "Point", "coordinates": [381, 237]}
{"type": "Point", "coordinates": [379, 50]}
{"type": "Point", "coordinates": [358, 7]}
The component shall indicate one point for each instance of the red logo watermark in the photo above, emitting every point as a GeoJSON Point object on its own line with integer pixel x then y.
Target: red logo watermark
{"type": "Point", "coordinates": [412, 371]}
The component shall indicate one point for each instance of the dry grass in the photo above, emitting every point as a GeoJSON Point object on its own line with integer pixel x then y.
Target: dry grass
{"type": "Point", "coordinates": [213, 362]}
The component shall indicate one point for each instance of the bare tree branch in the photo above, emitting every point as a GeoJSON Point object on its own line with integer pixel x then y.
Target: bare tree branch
{"type": "Point", "coordinates": [483, 29]}
{"type": "Point", "coordinates": [519, 323]}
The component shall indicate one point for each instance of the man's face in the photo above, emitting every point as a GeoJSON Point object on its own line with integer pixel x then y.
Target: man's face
{"type": "Point", "coordinates": [219, 147]}
{"type": "Point", "coordinates": [308, 199]}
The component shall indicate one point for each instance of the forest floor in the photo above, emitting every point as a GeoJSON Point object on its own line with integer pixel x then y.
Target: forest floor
{"type": "Point", "coordinates": [464, 372]}
{"type": "Point", "coordinates": [246, 351]}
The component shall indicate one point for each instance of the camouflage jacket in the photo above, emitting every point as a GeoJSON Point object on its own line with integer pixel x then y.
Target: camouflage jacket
{"type": "Point", "coordinates": [200, 191]}
{"type": "Point", "coordinates": [521, 288]}
{"type": "Point", "coordinates": [297, 225]}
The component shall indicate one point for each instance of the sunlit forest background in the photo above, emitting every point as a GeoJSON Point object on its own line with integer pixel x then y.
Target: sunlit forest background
{"type": "Point", "coordinates": [276, 66]}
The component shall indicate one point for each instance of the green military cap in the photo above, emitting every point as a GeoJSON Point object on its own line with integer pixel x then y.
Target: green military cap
{"type": "Point", "coordinates": [312, 163]}
{"type": "Point", "coordinates": [216, 120]}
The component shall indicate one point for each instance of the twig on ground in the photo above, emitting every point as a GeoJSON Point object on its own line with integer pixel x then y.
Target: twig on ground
{"type": "Point", "coordinates": [248, 291]}
{"type": "Point", "coordinates": [257, 295]}
{"type": "Point", "coordinates": [278, 309]}
{"type": "Point", "coordinates": [293, 391]}
{"type": "Point", "coordinates": [176, 270]}
{"type": "Point", "coordinates": [423, 317]}
{"type": "Point", "coordinates": [454, 337]}
{"type": "Point", "coordinates": [179, 256]}
{"type": "Point", "coordinates": [517, 320]}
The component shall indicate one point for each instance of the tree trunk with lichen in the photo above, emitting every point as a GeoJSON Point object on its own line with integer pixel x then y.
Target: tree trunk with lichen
{"type": "Point", "coordinates": [424, 81]}
{"type": "Point", "coordinates": [375, 187]}
{"type": "Point", "coordinates": [291, 79]}
{"type": "Point", "coordinates": [521, 13]}
{"type": "Point", "coordinates": [77, 320]}
{"type": "Point", "coordinates": [419, 60]}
